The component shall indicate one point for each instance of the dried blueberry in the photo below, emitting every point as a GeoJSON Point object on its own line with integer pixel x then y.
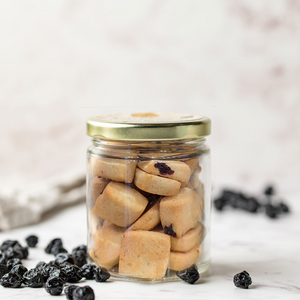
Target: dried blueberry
{"type": "Point", "coordinates": [101, 274]}
{"type": "Point", "coordinates": [219, 203]}
{"type": "Point", "coordinates": [19, 270]}
{"type": "Point", "coordinates": [57, 242]}
{"type": "Point", "coordinates": [41, 265]}
{"type": "Point", "coordinates": [80, 248]}
{"type": "Point", "coordinates": [73, 272]}
{"type": "Point", "coordinates": [271, 211]}
{"type": "Point", "coordinates": [284, 208]}
{"type": "Point", "coordinates": [32, 241]}
{"type": "Point", "coordinates": [58, 249]}
{"type": "Point", "coordinates": [3, 270]}
{"type": "Point", "coordinates": [170, 231]}
{"type": "Point", "coordinates": [24, 250]}
{"type": "Point", "coordinates": [11, 280]}
{"type": "Point", "coordinates": [7, 244]}
{"type": "Point", "coordinates": [84, 293]}
{"type": "Point", "coordinates": [3, 259]}
{"type": "Point", "coordinates": [252, 205]}
{"type": "Point", "coordinates": [64, 257]}
{"type": "Point", "coordinates": [269, 190]}
{"type": "Point", "coordinates": [54, 286]}
{"type": "Point", "coordinates": [12, 253]}
{"type": "Point", "coordinates": [54, 263]}
{"type": "Point", "coordinates": [79, 258]}
{"type": "Point", "coordinates": [242, 280]}
{"type": "Point", "coordinates": [33, 278]}
{"type": "Point", "coordinates": [13, 262]}
{"type": "Point", "coordinates": [189, 275]}
{"type": "Point", "coordinates": [69, 291]}
{"type": "Point", "coordinates": [164, 169]}
{"type": "Point", "coordinates": [88, 271]}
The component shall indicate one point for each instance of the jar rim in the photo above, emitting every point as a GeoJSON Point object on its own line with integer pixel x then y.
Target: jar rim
{"type": "Point", "coordinates": [148, 127]}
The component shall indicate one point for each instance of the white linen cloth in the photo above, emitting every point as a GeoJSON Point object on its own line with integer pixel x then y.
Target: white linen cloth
{"type": "Point", "coordinates": [27, 206]}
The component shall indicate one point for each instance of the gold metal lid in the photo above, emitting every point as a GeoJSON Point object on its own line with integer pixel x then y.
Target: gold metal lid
{"type": "Point", "coordinates": [148, 127]}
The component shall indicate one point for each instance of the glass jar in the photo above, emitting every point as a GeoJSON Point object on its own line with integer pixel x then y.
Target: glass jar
{"type": "Point", "coordinates": [148, 195]}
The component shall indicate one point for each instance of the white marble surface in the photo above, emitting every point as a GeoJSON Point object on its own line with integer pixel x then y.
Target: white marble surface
{"type": "Point", "coordinates": [267, 249]}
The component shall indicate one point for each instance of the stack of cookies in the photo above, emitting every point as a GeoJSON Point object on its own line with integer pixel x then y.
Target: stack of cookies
{"type": "Point", "coordinates": [150, 214]}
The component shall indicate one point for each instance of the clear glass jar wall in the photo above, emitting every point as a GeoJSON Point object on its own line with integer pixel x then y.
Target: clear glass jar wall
{"type": "Point", "coordinates": [148, 206]}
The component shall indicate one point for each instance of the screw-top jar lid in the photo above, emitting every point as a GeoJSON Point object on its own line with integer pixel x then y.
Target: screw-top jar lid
{"type": "Point", "coordinates": [148, 126]}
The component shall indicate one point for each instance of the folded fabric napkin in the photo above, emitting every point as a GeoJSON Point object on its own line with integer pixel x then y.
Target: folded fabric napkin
{"type": "Point", "coordinates": [27, 206]}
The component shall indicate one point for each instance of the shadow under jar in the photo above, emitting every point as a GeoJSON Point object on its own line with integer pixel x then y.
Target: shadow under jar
{"type": "Point", "coordinates": [148, 195]}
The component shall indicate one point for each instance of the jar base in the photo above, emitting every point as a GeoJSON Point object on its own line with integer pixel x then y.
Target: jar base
{"type": "Point", "coordinates": [203, 269]}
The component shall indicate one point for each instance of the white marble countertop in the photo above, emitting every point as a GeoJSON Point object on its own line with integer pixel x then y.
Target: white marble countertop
{"type": "Point", "coordinates": [267, 249]}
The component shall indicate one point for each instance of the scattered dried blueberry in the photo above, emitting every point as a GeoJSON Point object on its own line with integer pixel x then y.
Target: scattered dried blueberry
{"type": "Point", "coordinates": [88, 271]}
{"type": "Point", "coordinates": [3, 270]}
{"type": "Point", "coordinates": [64, 257]}
{"type": "Point", "coordinates": [7, 244]}
{"type": "Point", "coordinates": [284, 208]}
{"type": "Point", "coordinates": [12, 253]}
{"type": "Point", "coordinates": [69, 291]}
{"type": "Point", "coordinates": [24, 250]}
{"type": "Point", "coordinates": [242, 280]}
{"type": "Point", "coordinates": [32, 241]}
{"type": "Point", "coordinates": [101, 274]}
{"type": "Point", "coordinates": [11, 280]}
{"type": "Point", "coordinates": [79, 258]}
{"type": "Point", "coordinates": [271, 211]}
{"type": "Point", "coordinates": [19, 270]}
{"type": "Point", "coordinates": [54, 286]}
{"type": "Point", "coordinates": [33, 278]}
{"type": "Point", "coordinates": [13, 262]}
{"type": "Point", "coordinates": [164, 169]}
{"type": "Point", "coordinates": [41, 265]}
{"type": "Point", "coordinates": [3, 259]}
{"type": "Point", "coordinates": [53, 263]}
{"type": "Point", "coordinates": [84, 293]}
{"type": "Point", "coordinates": [80, 248]}
{"type": "Point", "coordinates": [269, 190]}
{"type": "Point", "coordinates": [56, 249]}
{"type": "Point", "coordinates": [57, 242]}
{"type": "Point", "coordinates": [189, 275]}
{"type": "Point", "coordinates": [170, 231]}
{"type": "Point", "coordinates": [73, 272]}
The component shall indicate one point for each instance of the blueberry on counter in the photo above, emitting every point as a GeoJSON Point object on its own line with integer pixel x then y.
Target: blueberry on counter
{"type": "Point", "coordinates": [57, 242]}
{"type": "Point", "coordinates": [73, 272]}
{"type": "Point", "coordinates": [79, 258]}
{"type": "Point", "coordinates": [3, 270]}
{"type": "Point", "coordinates": [3, 259]}
{"type": "Point", "coordinates": [189, 275]}
{"type": "Point", "coordinates": [88, 271]}
{"type": "Point", "coordinates": [13, 262]}
{"type": "Point", "coordinates": [33, 278]}
{"type": "Point", "coordinates": [69, 291]}
{"type": "Point", "coordinates": [101, 274]}
{"type": "Point", "coordinates": [80, 248]}
{"type": "Point", "coordinates": [64, 257]}
{"type": "Point", "coordinates": [54, 286]}
{"type": "Point", "coordinates": [242, 280]}
{"type": "Point", "coordinates": [84, 293]}
{"type": "Point", "coordinates": [19, 270]}
{"type": "Point", "coordinates": [32, 241]}
{"type": "Point", "coordinates": [7, 244]}
{"type": "Point", "coordinates": [12, 253]}
{"type": "Point", "coordinates": [11, 280]}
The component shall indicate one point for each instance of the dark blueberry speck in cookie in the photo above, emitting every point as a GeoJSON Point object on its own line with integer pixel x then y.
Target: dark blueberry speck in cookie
{"type": "Point", "coordinates": [164, 169]}
{"type": "Point", "coordinates": [169, 230]}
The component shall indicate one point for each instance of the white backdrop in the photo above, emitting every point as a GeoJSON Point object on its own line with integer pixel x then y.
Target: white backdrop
{"type": "Point", "coordinates": [235, 61]}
